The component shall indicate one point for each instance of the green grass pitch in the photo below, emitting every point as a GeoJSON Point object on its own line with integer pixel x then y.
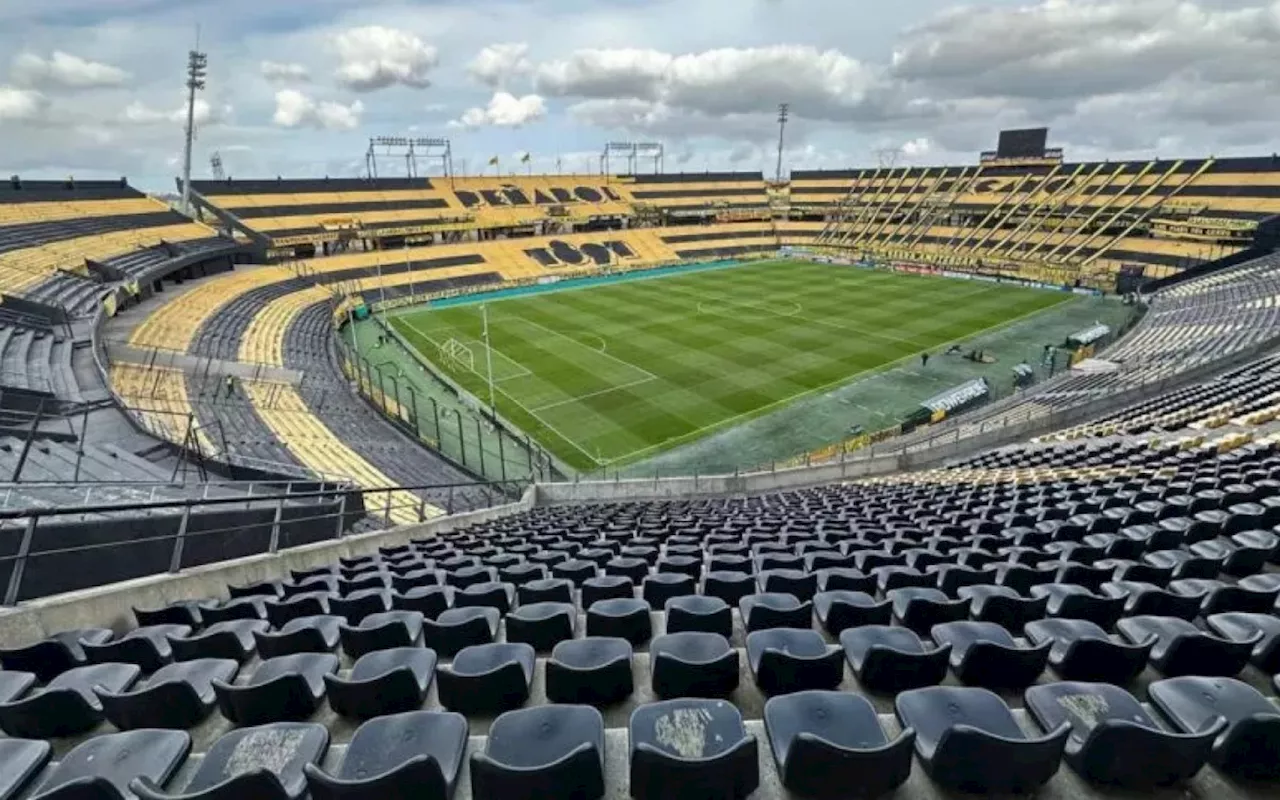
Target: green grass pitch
{"type": "Point", "coordinates": [613, 373]}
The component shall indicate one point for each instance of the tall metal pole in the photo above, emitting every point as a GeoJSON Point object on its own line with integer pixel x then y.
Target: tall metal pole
{"type": "Point", "coordinates": [488, 355]}
{"type": "Point", "coordinates": [784, 110]}
{"type": "Point", "coordinates": [197, 68]}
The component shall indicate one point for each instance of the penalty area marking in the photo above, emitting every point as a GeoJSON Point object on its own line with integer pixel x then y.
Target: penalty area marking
{"type": "Point", "coordinates": [597, 393]}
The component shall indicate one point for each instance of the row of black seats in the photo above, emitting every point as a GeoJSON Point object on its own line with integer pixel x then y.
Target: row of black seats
{"type": "Point", "coordinates": [826, 744]}
{"type": "Point", "coordinates": [693, 658]}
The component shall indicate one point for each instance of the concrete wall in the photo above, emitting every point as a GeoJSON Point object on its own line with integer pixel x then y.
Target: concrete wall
{"type": "Point", "coordinates": [112, 606]}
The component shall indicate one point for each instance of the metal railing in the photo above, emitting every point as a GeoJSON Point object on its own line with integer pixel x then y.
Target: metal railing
{"type": "Point", "coordinates": [71, 547]}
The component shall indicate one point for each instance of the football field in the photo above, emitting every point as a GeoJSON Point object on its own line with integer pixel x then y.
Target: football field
{"type": "Point", "coordinates": [613, 373]}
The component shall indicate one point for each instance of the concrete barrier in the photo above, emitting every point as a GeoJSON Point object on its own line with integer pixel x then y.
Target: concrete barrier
{"type": "Point", "coordinates": [111, 606]}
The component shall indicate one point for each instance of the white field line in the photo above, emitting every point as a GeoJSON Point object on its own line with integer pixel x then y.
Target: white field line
{"type": "Point", "coordinates": [516, 400]}
{"type": "Point", "coordinates": [697, 432]}
{"type": "Point", "coordinates": [592, 394]}
{"type": "Point", "coordinates": [523, 373]}
{"type": "Point", "coordinates": [554, 332]}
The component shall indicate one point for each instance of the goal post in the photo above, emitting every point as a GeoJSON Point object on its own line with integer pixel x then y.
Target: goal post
{"type": "Point", "coordinates": [458, 354]}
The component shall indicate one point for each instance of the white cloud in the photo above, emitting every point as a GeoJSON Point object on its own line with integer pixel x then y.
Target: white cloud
{"type": "Point", "coordinates": [917, 148]}
{"type": "Point", "coordinates": [205, 113]}
{"type": "Point", "coordinates": [277, 72]}
{"type": "Point", "coordinates": [20, 104]}
{"type": "Point", "coordinates": [819, 84]}
{"type": "Point", "coordinates": [504, 110]}
{"type": "Point", "coordinates": [296, 110]}
{"type": "Point", "coordinates": [375, 57]}
{"type": "Point", "coordinates": [496, 64]}
{"type": "Point", "coordinates": [65, 71]}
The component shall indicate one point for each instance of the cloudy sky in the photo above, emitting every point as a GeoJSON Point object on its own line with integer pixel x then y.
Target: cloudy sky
{"type": "Point", "coordinates": [94, 88]}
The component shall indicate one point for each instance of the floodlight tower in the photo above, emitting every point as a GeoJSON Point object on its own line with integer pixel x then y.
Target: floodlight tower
{"type": "Point", "coordinates": [784, 110]}
{"type": "Point", "coordinates": [197, 69]}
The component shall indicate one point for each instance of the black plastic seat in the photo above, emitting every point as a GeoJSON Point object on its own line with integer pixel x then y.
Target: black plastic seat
{"type": "Point", "coordinates": [358, 605]}
{"type": "Point", "coordinates": [575, 570]}
{"type": "Point", "coordinates": [382, 631]}
{"type": "Point", "coordinates": [728, 586]}
{"type": "Point", "coordinates": [950, 578]}
{"type": "Point", "coordinates": [889, 659]}
{"type": "Point", "coordinates": [1247, 748]}
{"type": "Point", "coordinates": [22, 760]}
{"type": "Point", "coordinates": [487, 678]}
{"type": "Point", "coordinates": [1083, 651]}
{"type": "Point", "coordinates": [1217, 597]}
{"type": "Point", "coordinates": [660, 587]}
{"type": "Point", "coordinates": [795, 582]}
{"type": "Point", "coordinates": [1146, 599]}
{"type": "Point", "coordinates": [15, 684]}
{"type": "Point", "coordinates": [147, 647]}
{"type": "Point", "coordinates": [1070, 601]}
{"type": "Point", "coordinates": [1113, 741]}
{"type": "Point", "coordinates": [968, 740]}
{"type": "Point", "coordinates": [388, 681]}
{"type": "Point", "coordinates": [281, 689]}
{"type": "Point", "coordinates": [1239, 627]}
{"type": "Point", "coordinates": [417, 754]}
{"type": "Point", "coordinates": [787, 660]}
{"type": "Point", "coordinates": [264, 762]}
{"type": "Point", "coordinates": [763, 611]}
{"type": "Point", "coordinates": [543, 752]}
{"type": "Point", "coordinates": [636, 569]}
{"type": "Point", "coordinates": [1184, 564]}
{"type": "Point", "coordinates": [422, 578]}
{"type": "Point", "coordinates": [1022, 579]}
{"type": "Point", "coordinates": [841, 609]}
{"type": "Point", "coordinates": [429, 601]}
{"type": "Point", "coordinates": [1002, 605]}
{"type": "Point", "coordinates": [606, 587]}
{"type": "Point", "coordinates": [830, 745]}
{"type": "Point", "coordinates": [318, 634]}
{"type": "Point", "coordinates": [985, 654]}
{"type": "Point", "coordinates": [236, 608]}
{"type": "Point", "coordinates": [545, 590]}
{"type": "Point", "coordinates": [67, 705]}
{"type": "Point", "coordinates": [309, 604]}
{"type": "Point", "coordinates": [102, 767]}
{"type": "Point", "coordinates": [625, 618]}
{"type": "Point", "coordinates": [699, 613]}
{"type": "Point", "coordinates": [261, 589]}
{"type": "Point", "coordinates": [178, 696]}
{"type": "Point", "coordinates": [542, 625]}
{"type": "Point", "coordinates": [183, 612]}
{"type": "Point", "coordinates": [1245, 553]}
{"type": "Point", "coordinates": [691, 749]}
{"type": "Point", "coordinates": [1183, 649]}
{"type": "Point", "coordinates": [593, 671]}
{"type": "Point", "coordinates": [837, 579]}
{"type": "Point", "coordinates": [693, 664]}
{"type": "Point", "coordinates": [233, 639]}
{"type": "Point", "coordinates": [491, 594]}
{"type": "Point", "coordinates": [920, 608]}
{"type": "Point", "coordinates": [464, 576]}
{"type": "Point", "coordinates": [361, 582]}
{"type": "Point", "coordinates": [52, 656]}
{"type": "Point", "coordinates": [457, 628]}
{"type": "Point", "coordinates": [1087, 575]}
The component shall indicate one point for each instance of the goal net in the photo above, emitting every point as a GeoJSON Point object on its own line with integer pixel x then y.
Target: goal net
{"type": "Point", "coordinates": [458, 354]}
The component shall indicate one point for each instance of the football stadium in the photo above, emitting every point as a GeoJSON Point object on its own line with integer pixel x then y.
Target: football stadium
{"type": "Point", "coordinates": [890, 479]}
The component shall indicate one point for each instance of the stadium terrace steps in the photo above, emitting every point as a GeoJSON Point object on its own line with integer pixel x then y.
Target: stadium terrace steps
{"type": "Point", "coordinates": [908, 539]}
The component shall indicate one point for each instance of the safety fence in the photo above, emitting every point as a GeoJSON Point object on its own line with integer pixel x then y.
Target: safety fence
{"type": "Point", "coordinates": [50, 550]}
